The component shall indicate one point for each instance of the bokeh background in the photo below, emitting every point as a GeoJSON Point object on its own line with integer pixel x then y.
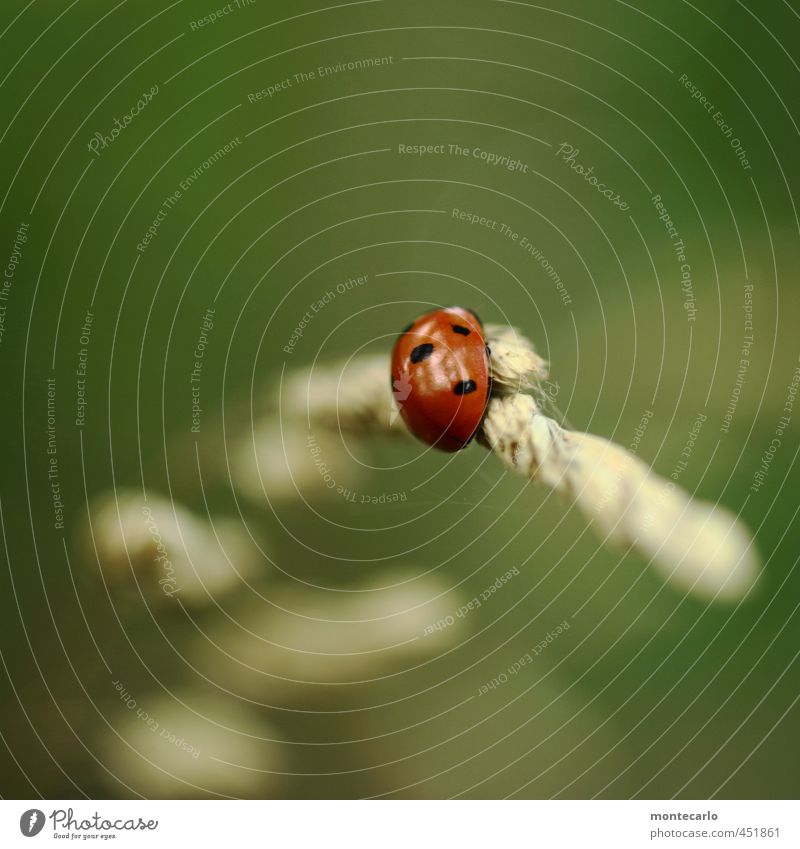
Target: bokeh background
{"type": "Point", "coordinates": [290, 652]}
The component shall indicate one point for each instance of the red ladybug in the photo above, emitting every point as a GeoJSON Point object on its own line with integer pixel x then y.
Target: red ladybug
{"type": "Point", "coordinates": [440, 377]}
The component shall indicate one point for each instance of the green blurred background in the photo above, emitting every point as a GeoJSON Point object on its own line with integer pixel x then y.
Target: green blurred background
{"type": "Point", "coordinates": [649, 693]}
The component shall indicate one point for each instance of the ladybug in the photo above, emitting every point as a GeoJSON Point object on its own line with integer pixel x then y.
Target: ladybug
{"type": "Point", "coordinates": [440, 377]}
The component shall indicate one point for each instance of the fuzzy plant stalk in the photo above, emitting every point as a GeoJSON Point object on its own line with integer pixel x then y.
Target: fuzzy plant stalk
{"type": "Point", "coordinates": [697, 546]}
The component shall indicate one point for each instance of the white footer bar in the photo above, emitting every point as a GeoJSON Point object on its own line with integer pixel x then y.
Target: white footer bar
{"type": "Point", "coordinates": [402, 824]}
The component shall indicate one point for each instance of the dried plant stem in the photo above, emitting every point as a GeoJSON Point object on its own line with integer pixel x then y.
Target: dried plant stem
{"type": "Point", "coordinates": [355, 397]}
{"type": "Point", "coordinates": [697, 546]}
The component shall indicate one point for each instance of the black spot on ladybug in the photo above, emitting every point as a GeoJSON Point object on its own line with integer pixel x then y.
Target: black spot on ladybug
{"type": "Point", "coordinates": [459, 328]}
{"type": "Point", "coordinates": [464, 387]}
{"type": "Point", "coordinates": [421, 352]}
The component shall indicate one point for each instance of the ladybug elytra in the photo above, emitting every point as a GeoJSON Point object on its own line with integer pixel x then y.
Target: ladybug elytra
{"type": "Point", "coordinates": [440, 377]}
